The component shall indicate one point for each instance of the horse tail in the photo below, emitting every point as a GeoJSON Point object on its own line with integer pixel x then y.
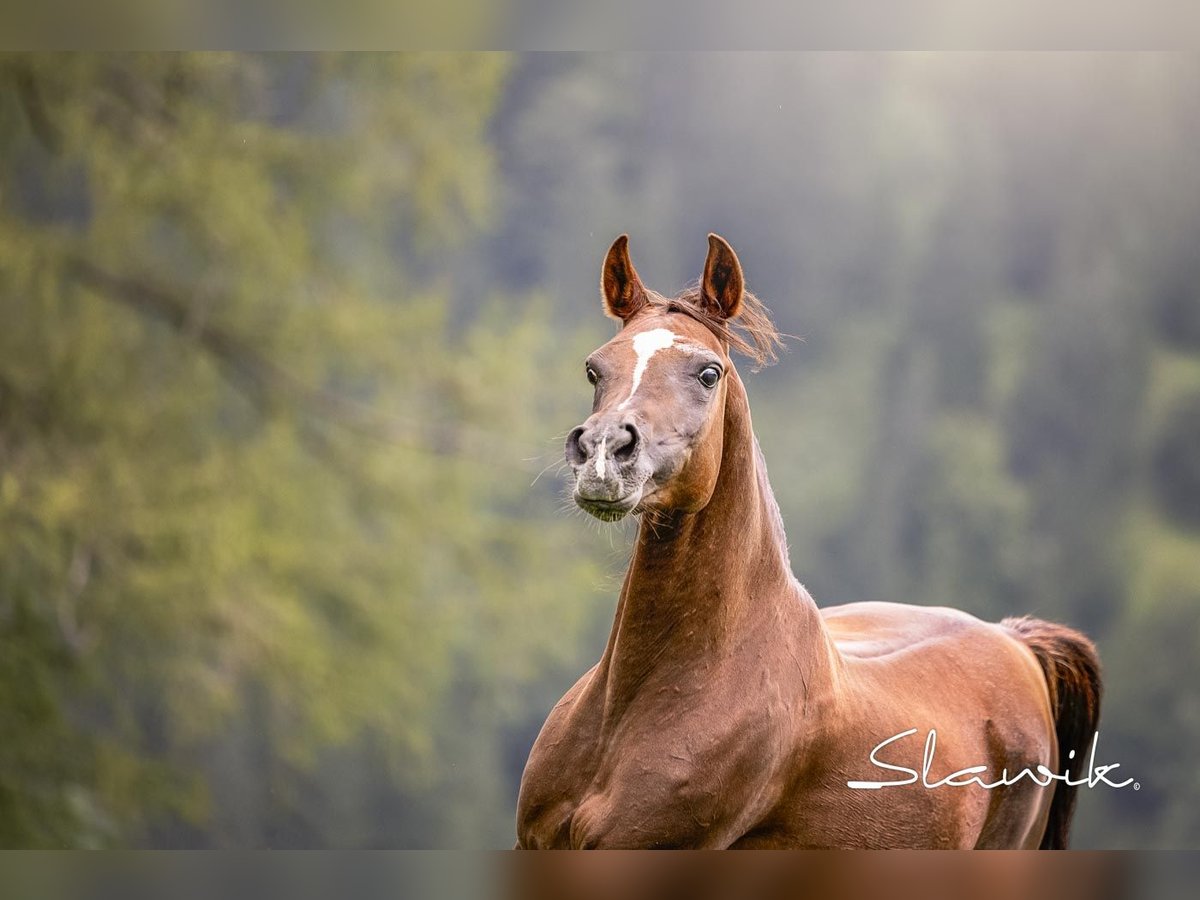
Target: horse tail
{"type": "Point", "coordinates": [1072, 669]}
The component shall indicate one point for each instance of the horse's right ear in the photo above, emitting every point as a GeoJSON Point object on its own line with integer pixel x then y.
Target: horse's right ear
{"type": "Point", "coordinates": [619, 283]}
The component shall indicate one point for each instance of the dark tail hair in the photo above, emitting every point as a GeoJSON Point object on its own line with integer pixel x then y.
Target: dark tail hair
{"type": "Point", "coordinates": [1072, 669]}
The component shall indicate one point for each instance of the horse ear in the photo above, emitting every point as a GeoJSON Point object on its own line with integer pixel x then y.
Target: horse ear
{"type": "Point", "coordinates": [722, 284]}
{"type": "Point", "coordinates": [619, 283]}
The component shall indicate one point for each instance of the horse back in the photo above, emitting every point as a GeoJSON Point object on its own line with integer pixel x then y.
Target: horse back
{"type": "Point", "coordinates": [928, 669]}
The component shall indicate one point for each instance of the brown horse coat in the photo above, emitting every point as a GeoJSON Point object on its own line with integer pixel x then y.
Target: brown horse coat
{"type": "Point", "coordinates": [727, 709]}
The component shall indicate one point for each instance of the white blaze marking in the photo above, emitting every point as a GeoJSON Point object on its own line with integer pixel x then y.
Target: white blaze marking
{"type": "Point", "coordinates": [645, 345]}
{"type": "Point", "coordinates": [600, 457]}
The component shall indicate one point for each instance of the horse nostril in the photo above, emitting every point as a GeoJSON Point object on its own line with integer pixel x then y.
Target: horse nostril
{"type": "Point", "coordinates": [626, 450]}
{"type": "Point", "coordinates": [576, 455]}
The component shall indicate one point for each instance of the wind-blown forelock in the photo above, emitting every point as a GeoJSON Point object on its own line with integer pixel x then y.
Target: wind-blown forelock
{"type": "Point", "coordinates": [751, 332]}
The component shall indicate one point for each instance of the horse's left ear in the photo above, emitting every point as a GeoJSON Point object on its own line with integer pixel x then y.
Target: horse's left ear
{"type": "Point", "coordinates": [722, 285]}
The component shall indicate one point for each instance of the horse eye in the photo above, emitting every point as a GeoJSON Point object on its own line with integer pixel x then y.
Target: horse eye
{"type": "Point", "coordinates": [592, 377]}
{"type": "Point", "coordinates": [710, 376]}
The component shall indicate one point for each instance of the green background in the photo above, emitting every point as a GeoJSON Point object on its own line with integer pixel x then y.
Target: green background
{"type": "Point", "coordinates": [288, 345]}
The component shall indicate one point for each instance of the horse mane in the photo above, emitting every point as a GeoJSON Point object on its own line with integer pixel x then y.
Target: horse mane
{"type": "Point", "coordinates": [751, 332]}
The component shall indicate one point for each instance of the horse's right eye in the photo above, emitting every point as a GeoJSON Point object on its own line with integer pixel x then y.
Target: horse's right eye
{"type": "Point", "coordinates": [592, 377]}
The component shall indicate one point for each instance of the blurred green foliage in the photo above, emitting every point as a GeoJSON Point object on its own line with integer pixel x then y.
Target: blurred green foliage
{"type": "Point", "coordinates": [263, 502]}
{"type": "Point", "coordinates": [288, 342]}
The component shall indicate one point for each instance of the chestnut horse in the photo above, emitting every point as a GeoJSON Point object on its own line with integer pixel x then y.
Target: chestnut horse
{"type": "Point", "coordinates": [727, 709]}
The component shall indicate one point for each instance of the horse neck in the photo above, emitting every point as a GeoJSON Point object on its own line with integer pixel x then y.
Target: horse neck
{"type": "Point", "coordinates": [700, 584]}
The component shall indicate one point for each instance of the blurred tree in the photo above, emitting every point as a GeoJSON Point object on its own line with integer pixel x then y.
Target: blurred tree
{"type": "Point", "coordinates": [256, 489]}
{"type": "Point", "coordinates": [1177, 465]}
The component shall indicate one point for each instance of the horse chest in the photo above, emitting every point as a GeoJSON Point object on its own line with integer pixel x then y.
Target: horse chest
{"type": "Point", "coordinates": [641, 782]}
{"type": "Point", "coordinates": [645, 799]}
{"type": "Point", "coordinates": [561, 766]}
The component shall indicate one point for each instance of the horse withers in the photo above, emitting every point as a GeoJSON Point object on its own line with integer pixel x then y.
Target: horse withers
{"type": "Point", "coordinates": [727, 709]}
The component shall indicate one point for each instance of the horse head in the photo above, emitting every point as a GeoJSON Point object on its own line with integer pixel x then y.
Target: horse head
{"type": "Point", "coordinates": [654, 440]}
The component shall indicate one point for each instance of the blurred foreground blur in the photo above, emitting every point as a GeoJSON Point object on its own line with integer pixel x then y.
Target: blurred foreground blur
{"type": "Point", "coordinates": [753, 875]}
{"type": "Point", "coordinates": [822, 875]}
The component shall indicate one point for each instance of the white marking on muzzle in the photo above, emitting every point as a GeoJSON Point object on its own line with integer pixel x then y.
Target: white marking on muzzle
{"type": "Point", "coordinates": [600, 457]}
{"type": "Point", "coordinates": [645, 345]}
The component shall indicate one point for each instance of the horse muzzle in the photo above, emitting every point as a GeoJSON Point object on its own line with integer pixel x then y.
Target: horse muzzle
{"type": "Point", "coordinates": [605, 456]}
